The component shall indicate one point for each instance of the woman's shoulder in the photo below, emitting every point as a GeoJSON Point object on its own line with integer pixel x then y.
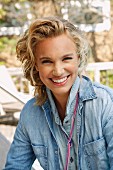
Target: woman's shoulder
{"type": "Point", "coordinates": [30, 109]}
{"type": "Point", "coordinates": [31, 116]}
{"type": "Point", "coordinates": [103, 90]}
{"type": "Point", "coordinates": [30, 104]}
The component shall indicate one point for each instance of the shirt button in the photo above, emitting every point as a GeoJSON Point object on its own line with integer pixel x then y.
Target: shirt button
{"type": "Point", "coordinates": [71, 159]}
{"type": "Point", "coordinates": [56, 152]}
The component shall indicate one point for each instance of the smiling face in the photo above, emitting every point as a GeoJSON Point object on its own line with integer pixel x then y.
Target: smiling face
{"type": "Point", "coordinates": [57, 64]}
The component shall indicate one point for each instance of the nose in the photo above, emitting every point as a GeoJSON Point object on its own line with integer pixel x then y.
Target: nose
{"type": "Point", "coordinates": [58, 70]}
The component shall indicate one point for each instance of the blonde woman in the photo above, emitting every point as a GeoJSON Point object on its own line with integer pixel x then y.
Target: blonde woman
{"type": "Point", "coordinates": [68, 125]}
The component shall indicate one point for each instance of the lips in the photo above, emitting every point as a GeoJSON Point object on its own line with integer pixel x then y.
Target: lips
{"type": "Point", "coordinates": [59, 80]}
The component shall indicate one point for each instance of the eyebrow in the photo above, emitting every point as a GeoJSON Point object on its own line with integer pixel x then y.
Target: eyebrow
{"type": "Point", "coordinates": [45, 58]}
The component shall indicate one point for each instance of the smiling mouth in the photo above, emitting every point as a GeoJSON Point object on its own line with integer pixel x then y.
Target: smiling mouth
{"type": "Point", "coordinates": [60, 80]}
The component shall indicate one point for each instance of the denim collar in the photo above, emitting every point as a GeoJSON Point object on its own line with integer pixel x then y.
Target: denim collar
{"type": "Point", "coordinates": [86, 91]}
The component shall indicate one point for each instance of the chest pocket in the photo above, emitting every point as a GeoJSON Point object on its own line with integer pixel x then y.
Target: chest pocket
{"type": "Point", "coordinates": [95, 155]}
{"type": "Point", "coordinates": [41, 153]}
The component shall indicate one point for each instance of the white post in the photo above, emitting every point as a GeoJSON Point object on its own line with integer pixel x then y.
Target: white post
{"type": "Point", "coordinates": [2, 112]}
{"type": "Point", "coordinates": [97, 75]}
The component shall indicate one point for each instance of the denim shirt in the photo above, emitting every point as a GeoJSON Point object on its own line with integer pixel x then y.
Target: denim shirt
{"type": "Point", "coordinates": [35, 139]}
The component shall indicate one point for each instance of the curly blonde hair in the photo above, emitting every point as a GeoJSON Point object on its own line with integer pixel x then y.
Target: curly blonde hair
{"type": "Point", "coordinates": [39, 30]}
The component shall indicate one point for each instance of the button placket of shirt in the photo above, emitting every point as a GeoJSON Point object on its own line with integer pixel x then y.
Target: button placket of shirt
{"type": "Point", "coordinates": [68, 122]}
{"type": "Point", "coordinates": [72, 162]}
{"type": "Point", "coordinates": [56, 152]}
{"type": "Point", "coordinates": [67, 126]}
{"type": "Point", "coordinates": [57, 120]}
{"type": "Point", "coordinates": [71, 159]}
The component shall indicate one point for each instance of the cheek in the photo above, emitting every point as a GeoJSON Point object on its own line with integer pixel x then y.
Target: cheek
{"type": "Point", "coordinates": [43, 72]}
{"type": "Point", "coordinates": [73, 68]}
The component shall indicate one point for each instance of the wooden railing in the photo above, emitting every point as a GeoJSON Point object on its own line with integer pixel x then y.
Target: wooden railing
{"type": "Point", "coordinates": [96, 68]}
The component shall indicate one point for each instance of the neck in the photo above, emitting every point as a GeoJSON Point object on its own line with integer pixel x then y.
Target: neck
{"type": "Point", "coordinates": [61, 103]}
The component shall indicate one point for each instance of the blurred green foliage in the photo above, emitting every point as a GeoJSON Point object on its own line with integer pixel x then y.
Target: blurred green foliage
{"type": "Point", "coordinates": [13, 13]}
{"type": "Point", "coordinates": [106, 77]}
{"type": "Point", "coordinates": [2, 63]}
{"type": "Point", "coordinates": [11, 1]}
{"type": "Point", "coordinates": [8, 44]}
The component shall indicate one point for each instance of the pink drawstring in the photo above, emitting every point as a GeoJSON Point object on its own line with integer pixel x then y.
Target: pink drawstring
{"type": "Point", "coordinates": [68, 156]}
{"type": "Point", "coordinates": [70, 135]}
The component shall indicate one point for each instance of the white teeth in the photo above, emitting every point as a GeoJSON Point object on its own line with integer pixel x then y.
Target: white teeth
{"type": "Point", "coordinates": [60, 80]}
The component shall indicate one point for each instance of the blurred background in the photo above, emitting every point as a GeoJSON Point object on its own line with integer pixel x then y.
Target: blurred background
{"type": "Point", "coordinates": [94, 17]}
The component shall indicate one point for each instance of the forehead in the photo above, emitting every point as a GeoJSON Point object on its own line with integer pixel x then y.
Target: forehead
{"type": "Point", "coordinates": [60, 41]}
